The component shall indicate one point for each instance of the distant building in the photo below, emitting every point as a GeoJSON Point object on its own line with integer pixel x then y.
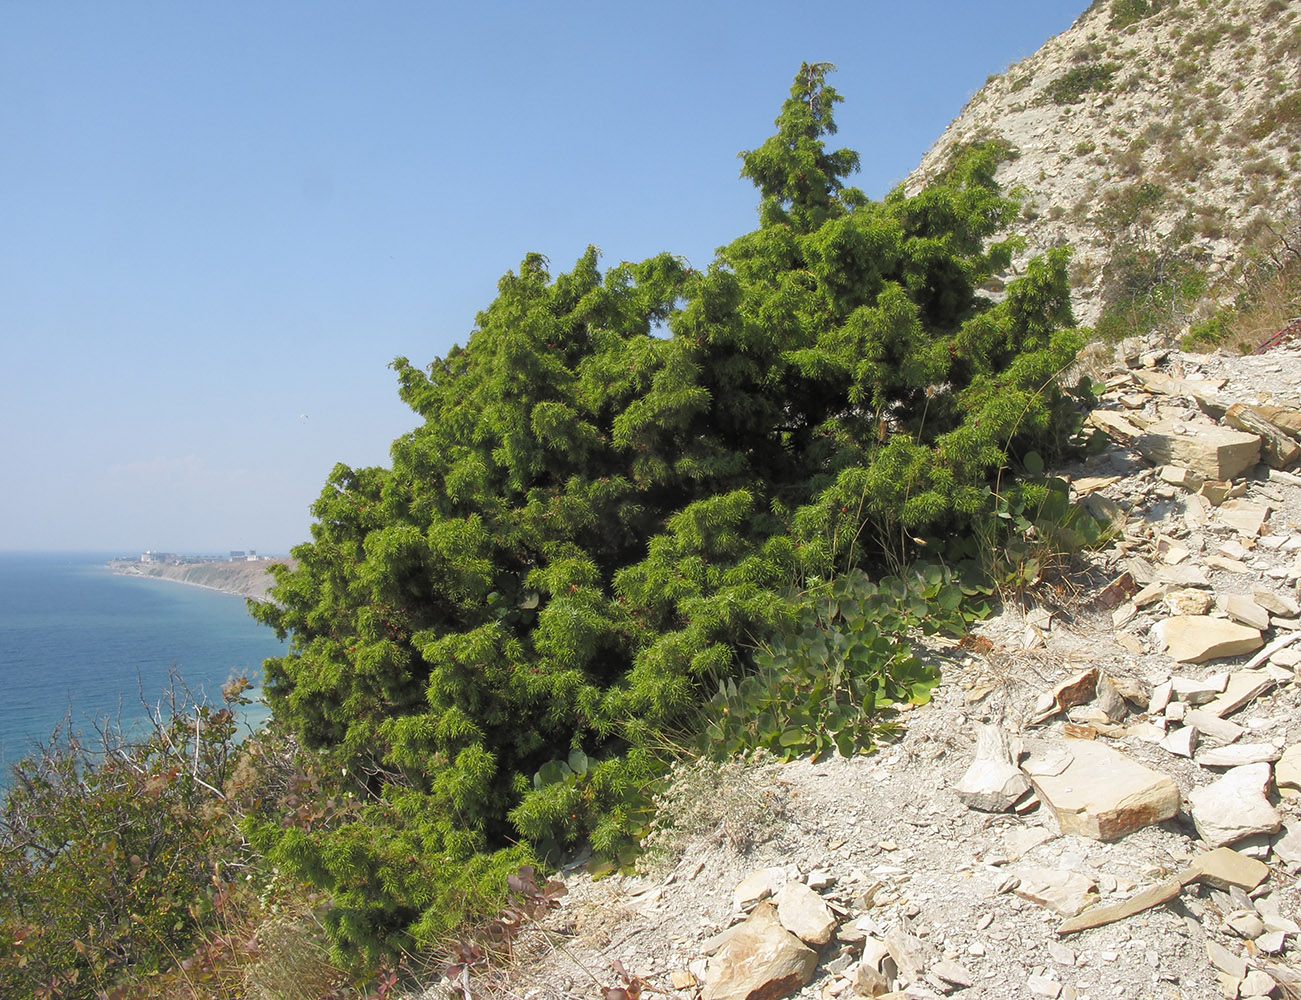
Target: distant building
{"type": "Point", "coordinates": [252, 555]}
{"type": "Point", "coordinates": [151, 556]}
{"type": "Point", "coordinates": [236, 554]}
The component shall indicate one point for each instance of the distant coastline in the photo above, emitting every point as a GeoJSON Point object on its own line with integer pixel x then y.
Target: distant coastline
{"type": "Point", "coordinates": [244, 579]}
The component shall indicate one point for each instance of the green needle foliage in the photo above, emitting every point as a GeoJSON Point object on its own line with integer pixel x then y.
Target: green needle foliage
{"type": "Point", "coordinates": [615, 482]}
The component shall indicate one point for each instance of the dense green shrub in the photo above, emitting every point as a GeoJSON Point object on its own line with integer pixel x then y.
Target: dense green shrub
{"type": "Point", "coordinates": [615, 482]}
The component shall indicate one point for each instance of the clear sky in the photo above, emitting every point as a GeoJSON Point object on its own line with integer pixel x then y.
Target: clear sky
{"type": "Point", "coordinates": [219, 222]}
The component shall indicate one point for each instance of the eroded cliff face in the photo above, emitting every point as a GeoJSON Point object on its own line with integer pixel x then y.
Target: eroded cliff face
{"type": "Point", "coordinates": [1160, 140]}
{"type": "Point", "coordinates": [247, 579]}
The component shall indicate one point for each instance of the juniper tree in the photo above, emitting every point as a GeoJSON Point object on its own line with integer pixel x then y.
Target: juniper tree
{"type": "Point", "coordinates": [592, 523]}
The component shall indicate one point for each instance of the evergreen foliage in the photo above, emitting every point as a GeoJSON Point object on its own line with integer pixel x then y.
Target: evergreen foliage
{"type": "Point", "coordinates": [596, 523]}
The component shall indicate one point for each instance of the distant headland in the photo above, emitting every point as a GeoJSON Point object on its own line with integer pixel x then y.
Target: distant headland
{"type": "Point", "coordinates": [244, 574]}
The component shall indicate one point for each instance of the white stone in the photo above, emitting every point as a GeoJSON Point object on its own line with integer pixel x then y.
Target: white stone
{"type": "Point", "coordinates": [1161, 695]}
{"type": "Point", "coordinates": [1235, 806]}
{"type": "Point", "coordinates": [1244, 686]}
{"type": "Point", "coordinates": [1192, 691]}
{"type": "Point", "coordinates": [757, 886]}
{"type": "Point", "coordinates": [1245, 923]}
{"type": "Point", "coordinates": [1225, 960]}
{"type": "Point", "coordinates": [1257, 983]}
{"type": "Point", "coordinates": [1211, 451]}
{"type": "Point", "coordinates": [1287, 772]}
{"type": "Point", "coordinates": [1213, 727]}
{"type": "Point", "coordinates": [1182, 742]}
{"type": "Point", "coordinates": [759, 957]}
{"type": "Point", "coordinates": [1243, 516]}
{"type": "Point", "coordinates": [1239, 754]}
{"type": "Point", "coordinates": [1183, 575]}
{"type": "Point", "coordinates": [993, 782]}
{"type": "Point", "coordinates": [1276, 603]}
{"type": "Point", "coordinates": [1065, 892]}
{"type": "Point", "coordinates": [1188, 602]}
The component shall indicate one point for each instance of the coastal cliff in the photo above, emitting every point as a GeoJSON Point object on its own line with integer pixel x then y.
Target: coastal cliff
{"type": "Point", "coordinates": [247, 579]}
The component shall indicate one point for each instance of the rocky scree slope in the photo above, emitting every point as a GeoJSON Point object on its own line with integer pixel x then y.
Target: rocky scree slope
{"type": "Point", "coordinates": [1159, 139]}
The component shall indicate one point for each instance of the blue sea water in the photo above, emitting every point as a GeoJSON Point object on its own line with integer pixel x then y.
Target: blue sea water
{"type": "Point", "coordinates": [83, 644]}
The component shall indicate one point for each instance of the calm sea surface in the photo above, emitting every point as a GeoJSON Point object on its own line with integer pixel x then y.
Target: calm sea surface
{"type": "Point", "coordinates": [80, 642]}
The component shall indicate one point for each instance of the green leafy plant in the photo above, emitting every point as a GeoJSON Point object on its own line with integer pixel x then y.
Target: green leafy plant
{"type": "Point", "coordinates": [1030, 533]}
{"type": "Point", "coordinates": [828, 684]}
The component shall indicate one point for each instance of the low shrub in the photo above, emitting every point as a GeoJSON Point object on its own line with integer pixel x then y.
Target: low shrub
{"type": "Point", "coordinates": [116, 855]}
{"type": "Point", "coordinates": [1072, 86]}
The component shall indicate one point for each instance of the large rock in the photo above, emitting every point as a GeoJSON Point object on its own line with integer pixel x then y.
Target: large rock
{"type": "Point", "coordinates": [1114, 426]}
{"type": "Point", "coordinates": [1104, 795]}
{"type": "Point", "coordinates": [911, 953]}
{"type": "Point", "coordinates": [1239, 754]}
{"type": "Point", "coordinates": [1278, 449]}
{"type": "Point", "coordinates": [1212, 451]}
{"type": "Point", "coordinates": [1198, 691]}
{"type": "Point", "coordinates": [1183, 575]}
{"type": "Point", "coordinates": [1244, 517]}
{"type": "Point", "coordinates": [760, 960]}
{"type": "Point", "coordinates": [1243, 610]}
{"type": "Point", "coordinates": [1234, 807]}
{"type": "Point", "coordinates": [1197, 638]}
{"type": "Point", "coordinates": [804, 913]}
{"type": "Point", "coordinates": [876, 971]}
{"type": "Point", "coordinates": [992, 782]}
{"type": "Point", "coordinates": [1276, 603]}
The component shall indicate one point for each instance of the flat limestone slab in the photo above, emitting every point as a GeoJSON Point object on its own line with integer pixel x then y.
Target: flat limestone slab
{"type": "Point", "coordinates": [1244, 686]}
{"type": "Point", "coordinates": [1224, 867]}
{"type": "Point", "coordinates": [1197, 638]}
{"type": "Point", "coordinates": [1105, 795]}
{"type": "Point", "coordinates": [1212, 451]}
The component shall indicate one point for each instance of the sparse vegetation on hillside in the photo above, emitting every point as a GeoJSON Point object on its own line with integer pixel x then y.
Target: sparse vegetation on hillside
{"type": "Point", "coordinates": [1196, 101]}
{"type": "Point", "coordinates": [1269, 299]}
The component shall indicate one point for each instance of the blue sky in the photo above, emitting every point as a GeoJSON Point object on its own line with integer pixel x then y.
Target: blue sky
{"type": "Point", "coordinates": [220, 222]}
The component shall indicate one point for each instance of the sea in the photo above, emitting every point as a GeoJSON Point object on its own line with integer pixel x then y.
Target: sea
{"type": "Point", "coordinates": [81, 645]}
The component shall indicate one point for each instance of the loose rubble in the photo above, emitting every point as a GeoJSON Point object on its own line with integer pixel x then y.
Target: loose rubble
{"type": "Point", "coordinates": [1103, 799]}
